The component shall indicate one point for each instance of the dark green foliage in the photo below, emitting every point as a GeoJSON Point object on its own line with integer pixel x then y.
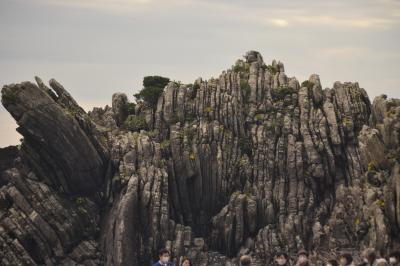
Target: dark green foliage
{"type": "Point", "coordinates": [244, 67]}
{"type": "Point", "coordinates": [135, 122]}
{"type": "Point", "coordinates": [281, 92]}
{"type": "Point", "coordinates": [178, 83]}
{"type": "Point", "coordinates": [245, 87]}
{"type": "Point", "coordinates": [155, 81]}
{"type": "Point", "coordinates": [272, 70]}
{"type": "Point", "coordinates": [195, 88]}
{"type": "Point", "coordinates": [79, 200]}
{"type": "Point", "coordinates": [153, 87]}
{"type": "Point", "coordinates": [307, 84]}
{"type": "Point", "coordinates": [130, 108]}
{"type": "Point", "coordinates": [245, 145]}
{"type": "Point", "coordinates": [165, 144]}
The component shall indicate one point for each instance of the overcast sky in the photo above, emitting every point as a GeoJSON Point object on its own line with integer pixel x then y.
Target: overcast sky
{"type": "Point", "coordinates": [98, 47]}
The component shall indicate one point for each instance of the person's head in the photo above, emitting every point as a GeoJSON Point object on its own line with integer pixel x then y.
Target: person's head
{"type": "Point", "coordinates": [186, 262]}
{"type": "Point", "coordinates": [345, 259]}
{"type": "Point", "coordinates": [369, 255]}
{"type": "Point", "coordinates": [245, 260]}
{"type": "Point", "coordinates": [332, 263]}
{"type": "Point", "coordinates": [164, 255]}
{"type": "Point", "coordinates": [302, 256]}
{"type": "Point", "coordinates": [281, 258]}
{"type": "Point", "coordinates": [394, 257]}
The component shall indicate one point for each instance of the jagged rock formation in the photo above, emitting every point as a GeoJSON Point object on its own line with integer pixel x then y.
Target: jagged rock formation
{"type": "Point", "coordinates": [251, 162]}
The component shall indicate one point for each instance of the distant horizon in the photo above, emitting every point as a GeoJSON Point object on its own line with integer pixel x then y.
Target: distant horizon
{"type": "Point", "coordinates": [97, 48]}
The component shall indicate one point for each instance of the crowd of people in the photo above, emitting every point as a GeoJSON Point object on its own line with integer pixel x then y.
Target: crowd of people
{"type": "Point", "coordinates": [369, 256]}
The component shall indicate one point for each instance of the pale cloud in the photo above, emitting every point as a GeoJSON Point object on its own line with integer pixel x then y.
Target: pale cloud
{"type": "Point", "coordinates": [119, 6]}
{"type": "Point", "coordinates": [357, 22]}
{"type": "Point", "coordinates": [356, 52]}
{"type": "Point", "coordinates": [278, 22]}
{"type": "Point", "coordinates": [344, 51]}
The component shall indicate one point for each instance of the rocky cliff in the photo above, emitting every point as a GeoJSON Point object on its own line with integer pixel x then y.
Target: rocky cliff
{"type": "Point", "coordinates": [251, 162]}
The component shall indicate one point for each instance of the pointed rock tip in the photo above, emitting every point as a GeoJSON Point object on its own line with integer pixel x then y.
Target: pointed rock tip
{"type": "Point", "coordinates": [253, 56]}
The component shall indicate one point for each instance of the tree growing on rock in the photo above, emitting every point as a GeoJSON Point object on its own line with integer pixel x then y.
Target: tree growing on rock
{"type": "Point", "coordinates": [153, 86]}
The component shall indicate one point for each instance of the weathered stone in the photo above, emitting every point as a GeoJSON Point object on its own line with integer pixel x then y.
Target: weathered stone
{"type": "Point", "coordinates": [119, 103]}
{"type": "Point", "coordinates": [246, 163]}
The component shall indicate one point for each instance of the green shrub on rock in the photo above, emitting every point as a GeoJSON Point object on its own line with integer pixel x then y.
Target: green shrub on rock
{"type": "Point", "coordinates": [245, 87]}
{"type": "Point", "coordinates": [281, 92]}
{"type": "Point", "coordinates": [307, 84]}
{"type": "Point", "coordinates": [135, 122]}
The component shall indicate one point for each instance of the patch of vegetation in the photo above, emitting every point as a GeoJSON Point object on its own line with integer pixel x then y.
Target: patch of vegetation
{"type": "Point", "coordinates": [135, 122]}
{"type": "Point", "coordinates": [259, 118]}
{"type": "Point", "coordinates": [162, 163]}
{"type": "Point", "coordinates": [130, 108]}
{"type": "Point", "coordinates": [309, 85]}
{"type": "Point", "coordinates": [272, 70]}
{"type": "Point", "coordinates": [371, 167]}
{"type": "Point", "coordinates": [243, 161]}
{"type": "Point", "coordinates": [71, 113]}
{"type": "Point", "coordinates": [245, 145]}
{"type": "Point", "coordinates": [242, 67]}
{"type": "Point", "coordinates": [346, 122]}
{"type": "Point", "coordinates": [79, 200]}
{"type": "Point", "coordinates": [270, 125]}
{"type": "Point", "coordinates": [153, 86]}
{"type": "Point", "coordinates": [104, 140]}
{"type": "Point", "coordinates": [246, 89]}
{"type": "Point", "coordinates": [355, 94]}
{"type": "Point", "coordinates": [195, 88]}
{"type": "Point", "coordinates": [177, 83]}
{"type": "Point", "coordinates": [380, 203]}
{"type": "Point", "coordinates": [208, 110]}
{"type": "Point", "coordinates": [192, 156]}
{"type": "Point", "coordinates": [165, 143]}
{"type": "Point", "coordinates": [281, 92]}
{"type": "Point", "coordinates": [155, 81]}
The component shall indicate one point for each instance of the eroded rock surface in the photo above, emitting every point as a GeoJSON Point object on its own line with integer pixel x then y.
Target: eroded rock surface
{"type": "Point", "coordinates": [251, 162]}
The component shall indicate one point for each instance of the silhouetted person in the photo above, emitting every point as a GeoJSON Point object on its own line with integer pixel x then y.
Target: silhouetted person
{"type": "Point", "coordinates": [282, 259]}
{"type": "Point", "coordinates": [369, 257]}
{"type": "Point", "coordinates": [345, 259]}
{"type": "Point", "coordinates": [394, 258]}
{"type": "Point", "coordinates": [164, 256]}
{"type": "Point", "coordinates": [302, 258]}
{"type": "Point", "coordinates": [245, 260]}
{"type": "Point", "coordinates": [185, 262]}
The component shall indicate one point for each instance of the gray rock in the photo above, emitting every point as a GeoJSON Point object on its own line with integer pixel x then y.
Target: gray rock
{"type": "Point", "coordinates": [119, 102]}
{"type": "Point", "coordinates": [218, 173]}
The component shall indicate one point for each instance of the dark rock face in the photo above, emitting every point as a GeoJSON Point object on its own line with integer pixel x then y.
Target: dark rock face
{"type": "Point", "coordinates": [249, 163]}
